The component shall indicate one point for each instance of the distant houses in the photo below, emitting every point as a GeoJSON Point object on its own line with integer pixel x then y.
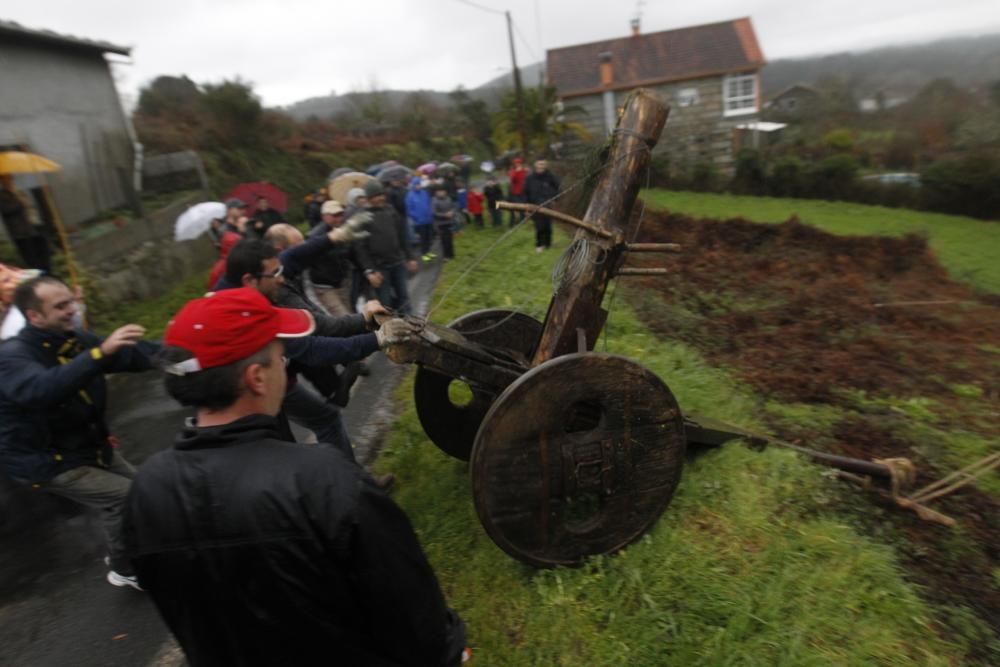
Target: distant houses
{"type": "Point", "coordinates": [59, 100]}
{"type": "Point", "coordinates": [709, 74]}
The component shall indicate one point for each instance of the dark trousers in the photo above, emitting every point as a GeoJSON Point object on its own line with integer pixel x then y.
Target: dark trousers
{"type": "Point", "coordinates": [393, 292]}
{"type": "Point", "coordinates": [308, 409]}
{"type": "Point", "coordinates": [104, 489]}
{"type": "Point", "coordinates": [478, 217]}
{"type": "Point", "coordinates": [426, 233]}
{"type": "Point", "coordinates": [447, 246]}
{"type": "Point", "coordinates": [497, 216]}
{"type": "Point", "coordinates": [35, 253]}
{"type": "Point", "coordinates": [543, 230]}
{"type": "Point", "coordinates": [516, 216]}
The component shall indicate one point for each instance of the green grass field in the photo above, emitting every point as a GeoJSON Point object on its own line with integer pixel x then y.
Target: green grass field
{"type": "Point", "coordinates": [750, 565]}
{"type": "Point", "coordinates": [969, 249]}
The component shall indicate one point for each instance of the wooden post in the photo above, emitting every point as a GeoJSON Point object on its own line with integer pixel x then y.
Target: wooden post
{"type": "Point", "coordinates": [577, 305]}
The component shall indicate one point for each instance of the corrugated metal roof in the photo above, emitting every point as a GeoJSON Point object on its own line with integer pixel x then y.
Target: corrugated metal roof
{"type": "Point", "coordinates": [16, 30]}
{"type": "Point", "coordinates": [637, 60]}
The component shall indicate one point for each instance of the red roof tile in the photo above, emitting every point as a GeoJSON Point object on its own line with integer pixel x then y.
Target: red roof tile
{"type": "Point", "coordinates": [684, 53]}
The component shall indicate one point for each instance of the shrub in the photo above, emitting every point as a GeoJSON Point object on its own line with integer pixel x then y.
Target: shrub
{"type": "Point", "coordinates": [750, 176]}
{"type": "Point", "coordinates": [967, 185]}
{"type": "Point", "coordinates": [786, 178]}
{"type": "Point", "coordinates": [832, 177]}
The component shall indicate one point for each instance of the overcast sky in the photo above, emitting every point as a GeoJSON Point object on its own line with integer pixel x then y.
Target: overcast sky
{"type": "Point", "coordinates": [294, 49]}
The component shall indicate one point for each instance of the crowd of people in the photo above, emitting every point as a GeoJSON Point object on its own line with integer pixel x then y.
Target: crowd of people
{"type": "Point", "coordinates": [255, 549]}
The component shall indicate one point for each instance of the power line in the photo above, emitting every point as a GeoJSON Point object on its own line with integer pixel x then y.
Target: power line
{"type": "Point", "coordinates": [525, 42]}
{"type": "Point", "coordinates": [478, 6]}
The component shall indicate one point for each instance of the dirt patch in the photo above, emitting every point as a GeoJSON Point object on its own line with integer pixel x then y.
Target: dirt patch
{"type": "Point", "coordinates": [803, 316]}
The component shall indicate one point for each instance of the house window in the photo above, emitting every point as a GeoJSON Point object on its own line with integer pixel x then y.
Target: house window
{"type": "Point", "coordinates": [739, 94]}
{"type": "Point", "coordinates": [687, 97]}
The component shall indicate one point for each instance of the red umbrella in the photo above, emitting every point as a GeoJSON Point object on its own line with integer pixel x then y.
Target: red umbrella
{"type": "Point", "coordinates": [250, 192]}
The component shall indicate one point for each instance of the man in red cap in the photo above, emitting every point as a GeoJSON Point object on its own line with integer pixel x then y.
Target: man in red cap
{"type": "Point", "coordinates": [261, 551]}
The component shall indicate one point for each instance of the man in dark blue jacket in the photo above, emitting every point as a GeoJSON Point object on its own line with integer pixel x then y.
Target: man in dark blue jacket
{"type": "Point", "coordinates": [52, 401]}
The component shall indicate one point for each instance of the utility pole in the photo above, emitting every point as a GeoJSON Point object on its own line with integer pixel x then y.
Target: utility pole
{"type": "Point", "coordinates": [518, 92]}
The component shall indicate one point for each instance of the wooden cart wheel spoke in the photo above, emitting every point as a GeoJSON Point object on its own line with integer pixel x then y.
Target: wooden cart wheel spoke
{"type": "Point", "coordinates": [449, 410]}
{"type": "Point", "coordinates": [577, 457]}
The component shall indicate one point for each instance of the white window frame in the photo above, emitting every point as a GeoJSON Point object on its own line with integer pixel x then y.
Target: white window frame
{"type": "Point", "coordinates": [739, 102]}
{"type": "Point", "coordinates": [688, 97]}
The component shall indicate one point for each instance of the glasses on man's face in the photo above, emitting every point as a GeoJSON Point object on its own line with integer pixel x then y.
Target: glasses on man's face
{"type": "Point", "coordinates": [274, 274]}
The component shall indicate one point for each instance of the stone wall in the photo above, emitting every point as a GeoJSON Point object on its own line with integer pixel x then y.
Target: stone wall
{"type": "Point", "coordinates": [696, 129]}
{"type": "Point", "coordinates": [141, 260]}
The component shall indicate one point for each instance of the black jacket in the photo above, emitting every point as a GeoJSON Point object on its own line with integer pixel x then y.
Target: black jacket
{"type": "Point", "coordinates": [387, 245]}
{"type": "Point", "coordinates": [258, 551]}
{"type": "Point", "coordinates": [332, 268]}
{"type": "Point", "coordinates": [540, 188]}
{"type": "Point", "coordinates": [52, 401]}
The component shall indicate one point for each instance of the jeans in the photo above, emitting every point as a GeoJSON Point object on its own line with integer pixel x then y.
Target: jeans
{"type": "Point", "coordinates": [447, 247]}
{"type": "Point", "coordinates": [497, 216]}
{"type": "Point", "coordinates": [426, 233]}
{"type": "Point", "coordinates": [308, 409]}
{"type": "Point", "coordinates": [392, 292]}
{"type": "Point", "coordinates": [104, 489]}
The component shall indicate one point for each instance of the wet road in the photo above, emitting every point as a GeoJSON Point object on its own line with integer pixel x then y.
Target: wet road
{"type": "Point", "coordinates": [56, 609]}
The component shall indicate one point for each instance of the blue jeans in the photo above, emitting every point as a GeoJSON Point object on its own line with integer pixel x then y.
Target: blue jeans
{"type": "Point", "coordinates": [392, 292]}
{"type": "Point", "coordinates": [307, 408]}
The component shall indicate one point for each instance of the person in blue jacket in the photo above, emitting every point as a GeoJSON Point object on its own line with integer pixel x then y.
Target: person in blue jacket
{"type": "Point", "coordinates": [53, 433]}
{"type": "Point", "coordinates": [418, 208]}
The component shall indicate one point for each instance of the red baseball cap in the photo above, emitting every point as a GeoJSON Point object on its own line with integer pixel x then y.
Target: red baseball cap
{"type": "Point", "coordinates": [223, 327]}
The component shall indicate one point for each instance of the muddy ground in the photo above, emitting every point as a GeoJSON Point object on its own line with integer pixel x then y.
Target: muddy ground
{"type": "Point", "coordinates": [863, 324]}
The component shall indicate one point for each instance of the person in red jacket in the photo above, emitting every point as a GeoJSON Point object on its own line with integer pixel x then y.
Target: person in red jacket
{"type": "Point", "coordinates": [474, 205]}
{"type": "Point", "coordinates": [517, 174]}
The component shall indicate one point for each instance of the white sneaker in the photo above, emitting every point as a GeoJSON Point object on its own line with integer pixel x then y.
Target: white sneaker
{"type": "Point", "coordinates": [116, 579]}
{"type": "Point", "coordinates": [539, 248]}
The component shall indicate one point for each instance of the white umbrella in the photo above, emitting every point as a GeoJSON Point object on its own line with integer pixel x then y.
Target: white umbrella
{"type": "Point", "coordinates": [195, 221]}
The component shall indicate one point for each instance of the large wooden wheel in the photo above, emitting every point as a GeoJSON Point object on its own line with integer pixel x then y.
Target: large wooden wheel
{"type": "Point", "coordinates": [579, 456]}
{"type": "Point", "coordinates": [452, 424]}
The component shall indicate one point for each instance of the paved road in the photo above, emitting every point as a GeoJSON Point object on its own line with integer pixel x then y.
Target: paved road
{"type": "Point", "coordinates": [56, 609]}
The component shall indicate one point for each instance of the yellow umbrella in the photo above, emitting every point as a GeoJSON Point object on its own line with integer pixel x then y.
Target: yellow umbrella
{"type": "Point", "coordinates": [19, 162]}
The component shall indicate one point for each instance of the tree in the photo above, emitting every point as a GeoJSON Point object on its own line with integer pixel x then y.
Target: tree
{"type": "Point", "coordinates": [233, 112]}
{"type": "Point", "coordinates": [475, 117]}
{"type": "Point", "coordinates": [546, 121]}
{"type": "Point", "coordinates": [176, 96]}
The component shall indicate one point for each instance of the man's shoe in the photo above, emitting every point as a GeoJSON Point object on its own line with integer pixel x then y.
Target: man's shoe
{"type": "Point", "coordinates": [386, 481]}
{"type": "Point", "coordinates": [345, 381]}
{"type": "Point", "coordinates": [120, 580]}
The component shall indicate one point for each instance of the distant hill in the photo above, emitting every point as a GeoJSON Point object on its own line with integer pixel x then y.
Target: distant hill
{"type": "Point", "coordinates": [529, 77]}
{"type": "Point", "coordinates": [327, 106]}
{"type": "Point", "coordinates": [968, 61]}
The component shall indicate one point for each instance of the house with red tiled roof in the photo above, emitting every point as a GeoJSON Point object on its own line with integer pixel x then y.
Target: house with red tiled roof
{"type": "Point", "coordinates": [708, 74]}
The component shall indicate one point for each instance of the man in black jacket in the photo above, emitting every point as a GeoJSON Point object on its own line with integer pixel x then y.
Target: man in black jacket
{"type": "Point", "coordinates": [53, 436]}
{"type": "Point", "coordinates": [541, 187]}
{"type": "Point", "coordinates": [259, 551]}
{"type": "Point", "coordinates": [385, 254]}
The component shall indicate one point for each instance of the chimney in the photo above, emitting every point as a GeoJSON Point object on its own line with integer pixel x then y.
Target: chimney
{"type": "Point", "coordinates": [635, 26]}
{"type": "Point", "coordinates": [607, 73]}
{"type": "Point", "coordinates": [607, 80]}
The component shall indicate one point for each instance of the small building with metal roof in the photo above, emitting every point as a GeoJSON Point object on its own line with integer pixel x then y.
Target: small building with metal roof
{"type": "Point", "coordinates": [59, 100]}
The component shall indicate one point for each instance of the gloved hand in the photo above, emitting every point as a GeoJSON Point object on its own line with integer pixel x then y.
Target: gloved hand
{"type": "Point", "coordinates": [353, 229]}
{"type": "Point", "coordinates": [396, 330]}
